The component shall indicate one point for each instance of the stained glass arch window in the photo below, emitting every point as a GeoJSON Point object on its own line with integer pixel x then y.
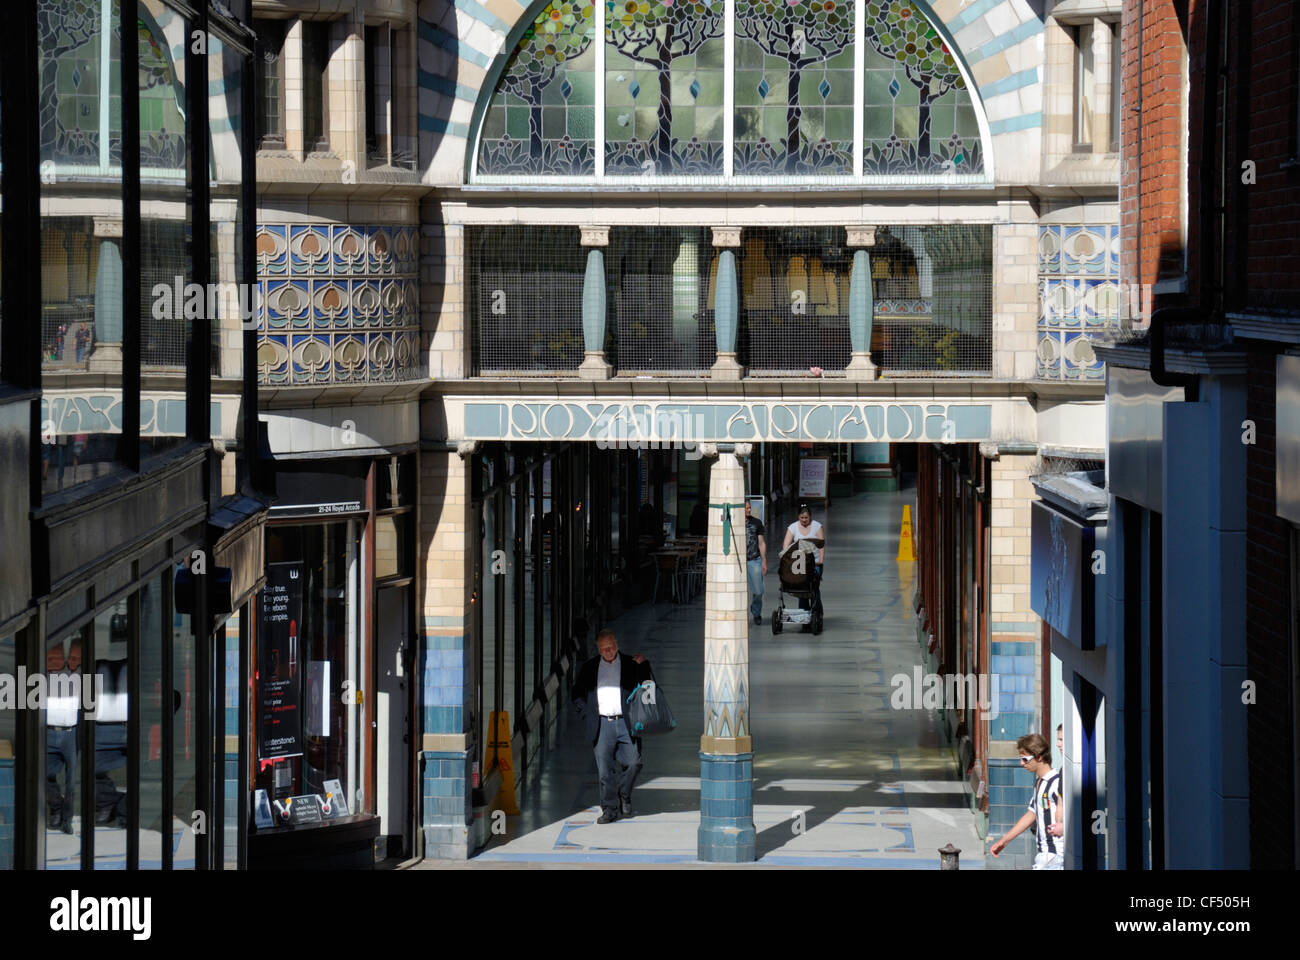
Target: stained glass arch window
{"type": "Point", "coordinates": [625, 89]}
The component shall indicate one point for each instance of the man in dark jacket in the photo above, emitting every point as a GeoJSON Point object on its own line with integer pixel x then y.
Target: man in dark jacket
{"type": "Point", "coordinates": [600, 693]}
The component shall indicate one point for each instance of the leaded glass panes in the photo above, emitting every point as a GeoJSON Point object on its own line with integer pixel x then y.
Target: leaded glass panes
{"type": "Point", "coordinates": [917, 115]}
{"type": "Point", "coordinates": [542, 115]}
{"type": "Point", "coordinates": [663, 87]}
{"type": "Point", "coordinates": [792, 98]}
{"type": "Point", "coordinates": [794, 87]}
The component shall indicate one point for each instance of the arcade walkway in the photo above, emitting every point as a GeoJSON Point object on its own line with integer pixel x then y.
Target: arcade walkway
{"type": "Point", "coordinates": [874, 785]}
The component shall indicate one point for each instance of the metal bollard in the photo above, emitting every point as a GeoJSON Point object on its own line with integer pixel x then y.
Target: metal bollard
{"type": "Point", "coordinates": [949, 858]}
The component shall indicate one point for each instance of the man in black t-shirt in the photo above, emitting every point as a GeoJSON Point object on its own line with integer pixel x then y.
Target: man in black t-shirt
{"type": "Point", "coordinates": [756, 557]}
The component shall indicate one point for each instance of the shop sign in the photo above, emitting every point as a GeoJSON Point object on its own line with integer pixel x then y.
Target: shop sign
{"type": "Point", "coordinates": [812, 478]}
{"type": "Point", "coordinates": [279, 722]}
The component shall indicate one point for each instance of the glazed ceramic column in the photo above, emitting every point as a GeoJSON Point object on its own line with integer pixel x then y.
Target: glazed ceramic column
{"type": "Point", "coordinates": [726, 748]}
{"type": "Point", "coordinates": [594, 365]}
{"type": "Point", "coordinates": [107, 355]}
{"type": "Point", "coordinates": [726, 304]}
{"type": "Point", "coordinates": [861, 304]}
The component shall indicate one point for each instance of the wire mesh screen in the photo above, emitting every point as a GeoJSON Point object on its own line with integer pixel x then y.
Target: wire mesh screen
{"type": "Point", "coordinates": [794, 294]}
{"type": "Point", "coordinates": [525, 286]}
{"type": "Point", "coordinates": [661, 286]}
{"type": "Point", "coordinates": [933, 299]}
{"type": "Point", "coordinates": [164, 341]}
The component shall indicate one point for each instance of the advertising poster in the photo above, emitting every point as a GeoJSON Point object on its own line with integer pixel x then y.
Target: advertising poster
{"type": "Point", "coordinates": [279, 687]}
{"type": "Point", "coordinates": [812, 478]}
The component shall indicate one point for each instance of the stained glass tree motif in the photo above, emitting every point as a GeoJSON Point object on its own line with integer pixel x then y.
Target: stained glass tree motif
{"type": "Point", "coordinates": [904, 117]}
{"type": "Point", "coordinates": [72, 99]}
{"type": "Point", "coordinates": [69, 32]}
{"type": "Point", "coordinates": [664, 86]}
{"type": "Point", "coordinates": [794, 57]}
{"type": "Point", "coordinates": [542, 115]}
{"type": "Point", "coordinates": [162, 95]}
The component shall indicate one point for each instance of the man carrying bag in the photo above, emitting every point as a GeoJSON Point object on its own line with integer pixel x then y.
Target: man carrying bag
{"type": "Point", "coordinates": [600, 693]}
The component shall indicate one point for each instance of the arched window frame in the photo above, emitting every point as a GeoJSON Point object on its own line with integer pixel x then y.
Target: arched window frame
{"type": "Point", "coordinates": [728, 178]}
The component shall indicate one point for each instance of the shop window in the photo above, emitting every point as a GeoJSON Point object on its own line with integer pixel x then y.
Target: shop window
{"type": "Point", "coordinates": [8, 759]}
{"type": "Point", "coordinates": [63, 766]}
{"type": "Point", "coordinates": [111, 788]}
{"type": "Point", "coordinates": [185, 704]}
{"type": "Point", "coordinates": [309, 696]}
{"type": "Point", "coordinates": [81, 318]}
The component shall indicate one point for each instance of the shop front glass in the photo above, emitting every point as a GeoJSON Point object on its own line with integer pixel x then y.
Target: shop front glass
{"type": "Point", "coordinates": [309, 695]}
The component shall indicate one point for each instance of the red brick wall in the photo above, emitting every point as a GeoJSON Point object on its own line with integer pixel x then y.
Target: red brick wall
{"type": "Point", "coordinates": [1151, 152]}
{"type": "Point", "coordinates": [1268, 635]}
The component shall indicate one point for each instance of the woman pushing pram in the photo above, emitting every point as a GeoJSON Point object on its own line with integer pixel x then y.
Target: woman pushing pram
{"type": "Point", "coordinates": [803, 556]}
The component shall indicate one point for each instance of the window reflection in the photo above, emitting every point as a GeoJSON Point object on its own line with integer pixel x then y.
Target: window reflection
{"type": "Point", "coordinates": [62, 754]}
{"type": "Point", "coordinates": [111, 746]}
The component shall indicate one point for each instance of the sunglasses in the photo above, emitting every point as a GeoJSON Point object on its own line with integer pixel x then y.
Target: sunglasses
{"type": "Point", "coordinates": [1026, 759]}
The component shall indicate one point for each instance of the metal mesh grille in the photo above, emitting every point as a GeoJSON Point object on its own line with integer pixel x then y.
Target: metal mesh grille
{"type": "Point", "coordinates": [525, 288]}
{"type": "Point", "coordinates": [933, 299]}
{"type": "Point", "coordinates": [794, 293]}
{"type": "Point", "coordinates": [164, 342]}
{"type": "Point", "coordinates": [660, 281]}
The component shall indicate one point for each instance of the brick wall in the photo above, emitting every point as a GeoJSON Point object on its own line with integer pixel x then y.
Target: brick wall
{"type": "Point", "coordinates": [1270, 745]}
{"type": "Point", "coordinates": [1151, 143]}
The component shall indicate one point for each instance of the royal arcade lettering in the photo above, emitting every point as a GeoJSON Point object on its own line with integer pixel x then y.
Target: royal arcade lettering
{"type": "Point", "coordinates": [654, 421]}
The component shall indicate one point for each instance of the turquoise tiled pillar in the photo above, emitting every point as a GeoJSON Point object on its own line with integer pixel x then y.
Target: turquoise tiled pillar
{"type": "Point", "coordinates": [594, 366]}
{"type": "Point", "coordinates": [726, 832]}
{"type": "Point", "coordinates": [862, 305]}
{"type": "Point", "coordinates": [107, 355]}
{"type": "Point", "coordinates": [445, 655]}
{"type": "Point", "coordinates": [726, 305]}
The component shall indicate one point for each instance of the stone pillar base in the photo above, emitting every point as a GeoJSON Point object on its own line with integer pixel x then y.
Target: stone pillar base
{"type": "Point", "coordinates": [446, 815]}
{"type": "Point", "coordinates": [727, 368]}
{"type": "Point", "coordinates": [594, 366]}
{"type": "Point", "coordinates": [861, 367]}
{"type": "Point", "coordinates": [726, 808]}
{"type": "Point", "coordinates": [107, 358]}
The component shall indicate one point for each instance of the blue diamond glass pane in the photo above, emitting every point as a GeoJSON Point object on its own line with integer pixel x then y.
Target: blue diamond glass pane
{"type": "Point", "coordinates": [824, 88]}
{"type": "Point", "coordinates": [566, 88]}
{"type": "Point", "coordinates": [695, 89]}
{"type": "Point", "coordinates": [634, 89]}
{"type": "Point", "coordinates": [763, 88]}
{"type": "Point", "coordinates": [893, 87]}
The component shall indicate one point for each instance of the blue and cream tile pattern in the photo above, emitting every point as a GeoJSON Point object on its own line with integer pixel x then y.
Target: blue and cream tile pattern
{"type": "Point", "coordinates": [839, 778]}
{"type": "Point", "coordinates": [1079, 298]}
{"type": "Point", "coordinates": [339, 304]}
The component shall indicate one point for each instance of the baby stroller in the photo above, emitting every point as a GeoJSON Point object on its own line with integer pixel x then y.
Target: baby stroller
{"type": "Point", "coordinates": [800, 585]}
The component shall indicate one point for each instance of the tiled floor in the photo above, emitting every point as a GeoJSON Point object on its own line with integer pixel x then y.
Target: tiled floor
{"type": "Point", "coordinates": [840, 778]}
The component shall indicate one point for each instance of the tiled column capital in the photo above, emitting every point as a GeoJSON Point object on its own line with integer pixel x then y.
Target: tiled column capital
{"type": "Point", "coordinates": [726, 236]}
{"type": "Point", "coordinates": [861, 236]}
{"type": "Point", "coordinates": [593, 236]}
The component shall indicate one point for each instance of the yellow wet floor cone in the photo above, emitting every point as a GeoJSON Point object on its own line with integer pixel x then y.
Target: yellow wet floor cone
{"type": "Point", "coordinates": [906, 547]}
{"type": "Point", "coordinates": [498, 749]}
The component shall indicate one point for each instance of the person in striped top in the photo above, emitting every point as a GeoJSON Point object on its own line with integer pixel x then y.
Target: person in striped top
{"type": "Point", "coordinates": [1044, 811]}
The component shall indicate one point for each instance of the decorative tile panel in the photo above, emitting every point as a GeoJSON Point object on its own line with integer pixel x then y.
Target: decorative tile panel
{"type": "Point", "coordinates": [1079, 298]}
{"type": "Point", "coordinates": [339, 303]}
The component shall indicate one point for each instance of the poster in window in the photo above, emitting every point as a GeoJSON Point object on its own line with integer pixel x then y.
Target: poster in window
{"type": "Point", "coordinates": [279, 719]}
{"type": "Point", "coordinates": [812, 478]}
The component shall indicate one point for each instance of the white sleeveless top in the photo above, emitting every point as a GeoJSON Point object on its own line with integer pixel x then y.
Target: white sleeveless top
{"type": "Point", "coordinates": [814, 533]}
